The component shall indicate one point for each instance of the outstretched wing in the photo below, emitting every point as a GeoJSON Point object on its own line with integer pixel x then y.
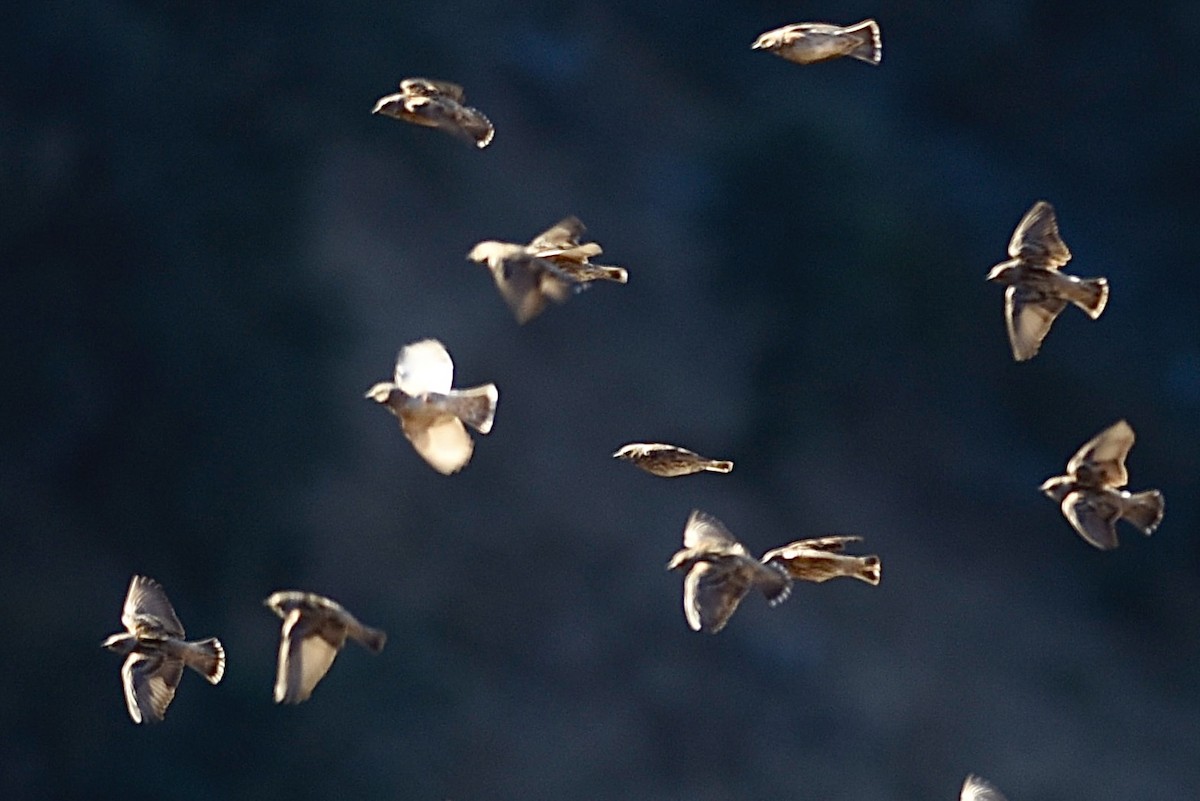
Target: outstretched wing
{"type": "Point", "coordinates": [835, 544]}
{"type": "Point", "coordinates": [441, 441]}
{"type": "Point", "coordinates": [711, 594]}
{"type": "Point", "coordinates": [304, 657]}
{"type": "Point", "coordinates": [705, 531]}
{"type": "Point", "coordinates": [1094, 516]}
{"type": "Point", "coordinates": [564, 234]}
{"type": "Point", "coordinates": [1101, 460]}
{"type": "Point", "coordinates": [428, 87]}
{"type": "Point", "coordinates": [150, 681]}
{"type": "Point", "coordinates": [1037, 240]}
{"type": "Point", "coordinates": [1029, 314]}
{"type": "Point", "coordinates": [423, 367]}
{"type": "Point", "coordinates": [148, 610]}
{"type": "Point", "coordinates": [977, 789]}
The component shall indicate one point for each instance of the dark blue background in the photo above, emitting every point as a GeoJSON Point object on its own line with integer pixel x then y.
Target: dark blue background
{"type": "Point", "coordinates": [211, 249]}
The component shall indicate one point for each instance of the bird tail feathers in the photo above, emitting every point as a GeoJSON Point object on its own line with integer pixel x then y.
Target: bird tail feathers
{"type": "Point", "coordinates": [373, 639]}
{"type": "Point", "coordinates": [206, 657]}
{"type": "Point", "coordinates": [1144, 510]}
{"type": "Point", "coordinates": [776, 588]}
{"type": "Point", "coordinates": [475, 406]}
{"type": "Point", "coordinates": [870, 570]}
{"type": "Point", "coordinates": [871, 48]}
{"type": "Point", "coordinates": [1092, 296]}
{"type": "Point", "coordinates": [717, 466]}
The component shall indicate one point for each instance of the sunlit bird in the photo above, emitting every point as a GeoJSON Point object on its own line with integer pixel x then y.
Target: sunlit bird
{"type": "Point", "coordinates": [719, 573]}
{"type": "Point", "coordinates": [432, 414]}
{"type": "Point", "coordinates": [1037, 291]}
{"type": "Point", "coordinates": [156, 651]}
{"type": "Point", "coordinates": [554, 266]}
{"type": "Point", "coordinates": [1090, 495]}
{"type": "Point", "coordinates": [437, 104]}
{"type": "Point", "coordinates": [977, 789]}
{"type": "Point", "coordinates": [810, 42]}
{"type": "Point", "coordinates": [669, 460]}
{"type": "Point", "coordinates": [822, 559]}
{"type": "Point", "coordinates": [314, 629]}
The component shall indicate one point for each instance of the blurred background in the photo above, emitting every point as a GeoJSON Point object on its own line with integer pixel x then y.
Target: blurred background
{"type": "Point", "coordinates": [211, 249]}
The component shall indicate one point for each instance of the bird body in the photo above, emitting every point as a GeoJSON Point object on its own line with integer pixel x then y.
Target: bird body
{"type": "Point", "coordinates": [1090, 494]}
{"type": "Point", "coordinates": [156, 652]}
{"type": "Point", "coordinates": [437, 104]}
{"type": "Point", "coordinates": [552, 267]}
{"type": "Point", "coordinates": [669, 461]}
{"type": "Point", "coordinates": [1037, 291]}
{"type": "Point", "coordinates": [719, 574]}
{"type": "Point", "coordinates": [810, 42]}
{"type": "Point", "coordinates": [431, 413]}
{"type": "Point", "coordinates": [315, 629]}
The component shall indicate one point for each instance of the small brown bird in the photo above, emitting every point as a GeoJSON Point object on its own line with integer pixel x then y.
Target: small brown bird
{"type": "Point", "coordinates": [157, 652]}
{"type": "Point", "coordinates": [822, 559]}
{"type": "Point", "coordinates": [1037, 292]}
{"type": "Point", "coordinates": [314, 629]}
{"type": "Point", "coordinates": [1090, 494]}
{"type": "Point", "coordinates": [437, 104]}
{"type": "Point", "coordinates": [432, 414]}
{"type": "Point", "coordinates": [553, 266]}
{"type": "Point", "coordinates": [669, 460]}
{"type": "Point", "coordinates": [977, 789]}
{"type": "Point", "coordinates": [719, 574]}
{"type": "Point", "coordinates": [810, 42]}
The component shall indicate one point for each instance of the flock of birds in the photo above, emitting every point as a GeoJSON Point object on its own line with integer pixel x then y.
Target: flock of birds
{"type": "Point", "coordinates": [719, 571]}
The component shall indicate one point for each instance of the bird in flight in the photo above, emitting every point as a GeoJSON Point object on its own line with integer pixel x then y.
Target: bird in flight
{"type": "Point", "coordinates": [719, 573]}
{"type": "Point", "coordinates": [977, 789]}
{"type": "Point", "coordinates": [314, 629]}
{"type": "Point", "coordinates": [1090, 493]}
{"type": "Point", "coordinates": [810, 42]}
{"type": "Point", "coordinates": [156, 651]}
{"type": "Point", "coordinates": [437, 104]}
{"type": "Point", "coordinates": [432, 414]}
{"type": "Point", "coordinates": [822, 559]}
{"type": "Point", "coordinates": [669, 460]}
{"type": "Point", "coordinates": [553, 266]}
{"type": "Point", "coordinates": [1037, 291]}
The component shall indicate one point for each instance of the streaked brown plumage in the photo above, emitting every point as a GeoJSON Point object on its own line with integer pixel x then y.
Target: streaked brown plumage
{"type": "Point", "coordinates": [719, 574]}
{"type": "Point", "coordinates": [810, 42]}
{"type": "Point", "coordinates": [669, 460]}
{"type": "Point", "coordinates": [976, 789]}
{"type": "Point", "coordinates": [432, 414]}
{"type": "Point", "coordinates": [822, 559]}
{"type": "Point", "coordinates": [157, 652]}
{"type": "Point", "coordinates": [1037, 291]}
{"type": "Point", "coordinates": [553, 266]}
{"type": "Point", "coordinates": [1090, 495]}
{"type": "Point", "coordinates": [314, 629]}
{"type": "Point", "coordinates": [437, 104]}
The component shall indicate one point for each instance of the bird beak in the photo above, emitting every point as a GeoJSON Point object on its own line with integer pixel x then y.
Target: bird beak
{"type": "Point", "coordinates": [380, 392]}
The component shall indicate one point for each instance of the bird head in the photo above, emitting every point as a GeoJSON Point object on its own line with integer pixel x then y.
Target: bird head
{"type": "Point", "coordinates": [389, 106]}
{"type": "Point", "coordinates": [1057, 488]}
{"type": "Point", "coordinates": [380, 392]}
{"type": "Point", "coordinates": [121, 643]}
{"type": "Point", "coordinates": [682, 560]}
{"type": "Point", "coordinates": [492, 253]}
{"type": "Point", "coordinates": [283, 601]}
{"type": "Point", "coordinates": [627, 452]}
{"type": "Point", "coordinates": [1000, 271]}
{"type": "Point", "coordinates": [768, 41]}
